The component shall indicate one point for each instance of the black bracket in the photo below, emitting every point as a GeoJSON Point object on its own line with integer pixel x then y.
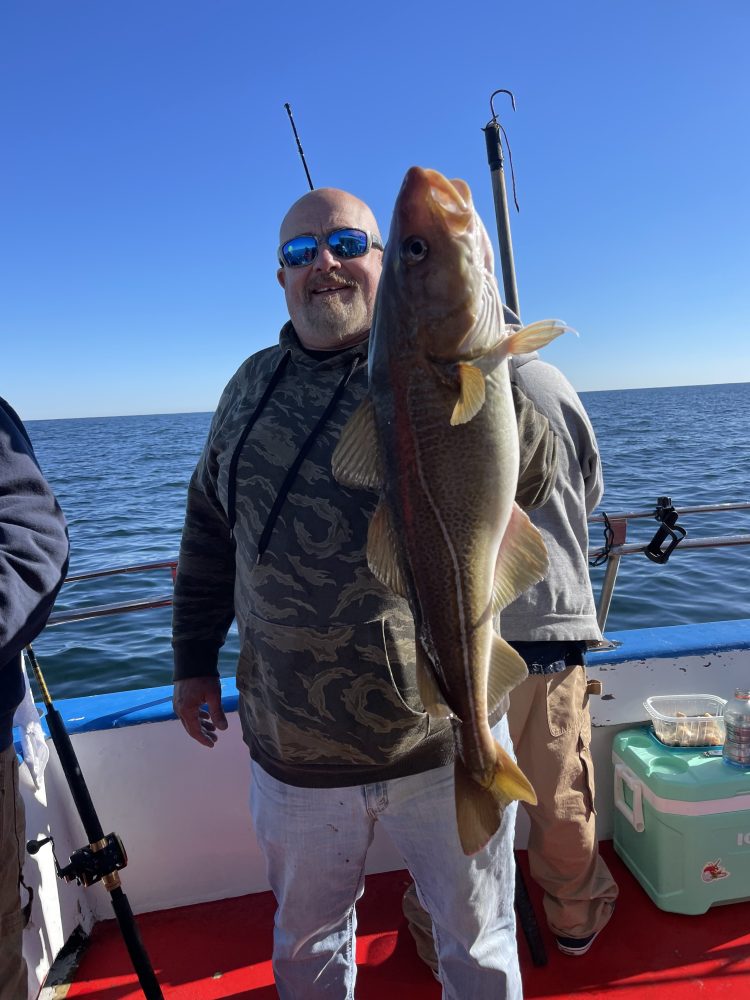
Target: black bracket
{"type": "Point", "coordinates": [669, 531]}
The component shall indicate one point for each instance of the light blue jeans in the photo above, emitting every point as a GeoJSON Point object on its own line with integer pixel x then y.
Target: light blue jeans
{"type": "Point", "coordinates": [315, 842]}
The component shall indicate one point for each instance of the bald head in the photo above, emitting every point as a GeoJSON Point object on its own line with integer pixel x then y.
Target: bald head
{"type": "Point", "coordinates": [327, 204]}
{"type": "Point", "coordinates": [331, 299]}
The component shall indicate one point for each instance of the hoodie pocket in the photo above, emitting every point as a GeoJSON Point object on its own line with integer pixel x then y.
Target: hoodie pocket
{"type": "Point", "coordinates": [338, 694]}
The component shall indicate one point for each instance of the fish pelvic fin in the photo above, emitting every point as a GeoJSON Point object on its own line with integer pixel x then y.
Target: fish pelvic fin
{"type": "Point", "coordinates": [522, 560]}
{"type": "Point", "coordinates": [536, 335]}
{"type": "Point", "coordinates": [382, 554]}
{"type": "Point", "coordinates": [471, 394]}
{"type": "Point", "coordinates": [507, 670]}
{"type": "Point", "coordinates": [429, 692]}
{"type": "Point", "coordinates": [356, 458]}
{"type": "Point", "coordinates": [479, 809]}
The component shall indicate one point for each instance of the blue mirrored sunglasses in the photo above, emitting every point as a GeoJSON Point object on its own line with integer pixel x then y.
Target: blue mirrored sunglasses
{"type": "Point", "coordinates": [346, 244]}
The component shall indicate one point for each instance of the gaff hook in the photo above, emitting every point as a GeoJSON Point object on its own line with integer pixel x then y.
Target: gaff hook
{"type": "Point", "coordinates": [492, 97]}
{"type": "Point", "coordinates": [494, 146]}
{"type": "Point", "coordinates": [496, 124]}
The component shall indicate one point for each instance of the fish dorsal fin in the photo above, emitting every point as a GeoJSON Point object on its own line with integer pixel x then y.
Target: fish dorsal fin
{"type": "Point", "coordinates": [471, 394]}
{"type": "Point", "coordinates": [356, 458]}
{"type": "Point", "coordinates": [535, 335]}
{"type": "Point", "coordinates": [521, 562]}
{"type": "Point", "coordinates": [507, 670]}
{"type": "Point", "coordinates": [429, 692]}
{"type": "Point", "coordinates": [382, 555]}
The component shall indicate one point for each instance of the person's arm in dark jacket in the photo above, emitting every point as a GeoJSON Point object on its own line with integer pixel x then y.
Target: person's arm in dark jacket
{"type": "Point", "coordinates": [33, 541]}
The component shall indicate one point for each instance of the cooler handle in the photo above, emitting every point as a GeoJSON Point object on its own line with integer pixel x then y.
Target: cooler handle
{"type": "Point", "coordinates": [634, 816]}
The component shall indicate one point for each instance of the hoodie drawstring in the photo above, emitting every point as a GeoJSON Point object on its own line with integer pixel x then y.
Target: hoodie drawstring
{"type": "Point", "coordinates": [302, 454]}
{"type": "Point", "coordinates": [232, 482]}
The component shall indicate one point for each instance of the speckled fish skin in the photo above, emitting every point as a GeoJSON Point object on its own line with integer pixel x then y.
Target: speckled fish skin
{"type": "Point", "coordinates": [447, 456]}
{"type": "Point", "coordinates": [449, 490]}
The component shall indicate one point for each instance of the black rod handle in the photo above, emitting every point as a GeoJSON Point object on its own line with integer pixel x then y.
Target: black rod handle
{"type": "Point", "coordinates": [74, 777]}
{"type": "Point", "coordinates": [132, 938]}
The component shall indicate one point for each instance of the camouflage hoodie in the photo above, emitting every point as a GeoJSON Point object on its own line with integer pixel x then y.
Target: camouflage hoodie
{"type": "Point", "coordinates": [326, 672]}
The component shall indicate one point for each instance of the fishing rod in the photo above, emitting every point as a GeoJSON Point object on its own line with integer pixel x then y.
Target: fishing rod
{"type": "Point", "coordinates": [102, 858]}
{"type": "Point", "coordinates": [299, 146]}
{"type": "Point", "coordinates": [492, 131]}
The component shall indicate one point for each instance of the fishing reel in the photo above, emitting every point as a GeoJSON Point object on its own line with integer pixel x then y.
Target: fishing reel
{"type": "Point", "coordinates": [90, 864]}
{"type": "Point", "coordinates": [665, 513]}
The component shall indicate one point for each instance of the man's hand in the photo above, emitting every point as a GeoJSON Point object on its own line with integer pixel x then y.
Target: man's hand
{"type": "Point", "coordinates": [188, 699]}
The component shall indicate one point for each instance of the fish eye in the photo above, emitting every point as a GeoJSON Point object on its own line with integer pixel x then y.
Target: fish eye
{"type": "Point", "coordinates": [413, 249]}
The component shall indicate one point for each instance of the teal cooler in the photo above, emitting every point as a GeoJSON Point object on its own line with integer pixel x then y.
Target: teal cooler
{"type": "Point", "coordinates": [682, 822]}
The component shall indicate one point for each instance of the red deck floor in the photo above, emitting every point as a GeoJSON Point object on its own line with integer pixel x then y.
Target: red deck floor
{"type": "Point", "coordinates": [221, 951]}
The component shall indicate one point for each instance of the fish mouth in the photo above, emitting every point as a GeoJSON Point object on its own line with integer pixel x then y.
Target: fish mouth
{"type": "Point", "coordinates": [449, 200]}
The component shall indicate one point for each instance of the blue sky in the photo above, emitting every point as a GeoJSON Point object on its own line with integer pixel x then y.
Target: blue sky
{"type": "Point", "coordinates": [147, 161]}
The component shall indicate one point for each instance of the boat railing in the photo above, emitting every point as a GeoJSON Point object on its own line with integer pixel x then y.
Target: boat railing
{"type": "Point", "coordinates": [669, 537]}
{"type": "Point", "coordinates": [122, 607]}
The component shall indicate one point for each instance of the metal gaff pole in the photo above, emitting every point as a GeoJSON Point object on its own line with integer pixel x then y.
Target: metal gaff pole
{"type": "Point", "coordinates": [497, 174]}
{"type": "Point", "coordinates": [97, 840]}
{"type": "Point", "coordinates": [608, 587]}
{"type": "Point", "coordinates": [523, 904]}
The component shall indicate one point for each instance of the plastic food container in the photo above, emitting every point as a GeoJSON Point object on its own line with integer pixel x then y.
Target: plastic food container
{"type": "Point", "coordinates": [687, 720]}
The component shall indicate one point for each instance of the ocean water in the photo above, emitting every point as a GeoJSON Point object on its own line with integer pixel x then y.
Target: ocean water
{"type": "Point", "coordinates": [122, 483]}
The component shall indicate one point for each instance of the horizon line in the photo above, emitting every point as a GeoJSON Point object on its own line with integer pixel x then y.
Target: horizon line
{"type": "Point", "coordinates": [181, 413]}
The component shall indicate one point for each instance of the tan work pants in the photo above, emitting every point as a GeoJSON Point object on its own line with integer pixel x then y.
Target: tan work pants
{"type": "Point", "coordinates": [550, 726]}
{"type": "Point", "coordinates": [13, 980]}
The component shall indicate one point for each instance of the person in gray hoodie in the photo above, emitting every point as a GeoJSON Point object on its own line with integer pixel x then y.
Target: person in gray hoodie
{"type": "Point", "coordinates": [551, 626]}
{"type": "Point", "coordinates": [329, 704]}
{"type": "Point", "coordinates": [33, 563]}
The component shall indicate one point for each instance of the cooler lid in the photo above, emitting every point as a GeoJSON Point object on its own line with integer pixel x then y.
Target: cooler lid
{"type": "Point", "coordinates": [685, 774]}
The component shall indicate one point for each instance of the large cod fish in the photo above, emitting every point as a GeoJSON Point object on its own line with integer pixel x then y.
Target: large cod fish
{"type": "Point", "coordinates": [437, 437]}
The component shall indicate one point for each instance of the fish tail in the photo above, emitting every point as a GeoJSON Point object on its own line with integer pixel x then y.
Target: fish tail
{"type": "Point", "coordinates": [479, 808]}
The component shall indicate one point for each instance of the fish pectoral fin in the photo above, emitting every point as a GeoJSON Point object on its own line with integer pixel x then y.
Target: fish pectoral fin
{"type": "Point", "coordinates": [521, 561]}
{"type": "Point", "coordinates": [479, 810]}
{"type": "Point", "coordinates": [356, 458]}
{"type": "Point", "coordinates": [382, 555]}
{"type": "Point", "coordinates": [536, 335]}
{"type": "Point", "coordinates": [507, 670]}
{"type": "Point", "coordinates": [429, 692]}
{"type": "Point", "coordinates": [471, 394]}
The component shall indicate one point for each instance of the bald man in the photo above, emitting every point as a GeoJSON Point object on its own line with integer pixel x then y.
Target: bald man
{"type": "Point", "coordinates": [329, 707]}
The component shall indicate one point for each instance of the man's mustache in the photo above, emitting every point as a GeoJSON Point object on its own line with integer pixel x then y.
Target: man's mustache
{"type": "Point", "coordinates": [329, 282]}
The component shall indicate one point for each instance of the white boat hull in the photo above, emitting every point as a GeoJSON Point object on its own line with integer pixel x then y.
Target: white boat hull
{"type": "Point", "coordinates": [182, 810]}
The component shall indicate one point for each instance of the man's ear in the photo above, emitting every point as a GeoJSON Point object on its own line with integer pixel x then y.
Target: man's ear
{"type": "Point", "coordinates": [281, 277]}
